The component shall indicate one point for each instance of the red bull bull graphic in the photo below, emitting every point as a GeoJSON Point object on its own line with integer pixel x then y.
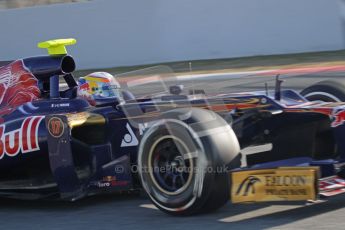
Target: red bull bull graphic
{"type": "Point", "coordinates": [339, 118]}
{"type": "Point", "coordinates": [24, 139]}
{"type": "Point", "coordinates": [335, 114]}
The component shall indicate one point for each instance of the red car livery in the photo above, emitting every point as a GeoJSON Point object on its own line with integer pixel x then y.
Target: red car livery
{"type": "Point", "coordinates": [17, 86]}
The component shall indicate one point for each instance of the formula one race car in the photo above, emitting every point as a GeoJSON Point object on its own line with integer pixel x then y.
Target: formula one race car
{"type": "Point", "coordinates": [183, 150]}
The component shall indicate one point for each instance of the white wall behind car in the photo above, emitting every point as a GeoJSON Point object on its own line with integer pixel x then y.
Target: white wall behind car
{"type": "Point", "coordinates": [132, 32]}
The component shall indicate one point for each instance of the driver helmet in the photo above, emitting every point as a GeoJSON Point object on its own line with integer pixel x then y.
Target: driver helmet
{"type": "Point", "coordinates": [99, 86]}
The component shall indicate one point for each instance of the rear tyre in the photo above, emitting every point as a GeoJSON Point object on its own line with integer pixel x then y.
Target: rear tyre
{"type": "Point", "coordinates": [327, 91]}
{"type": "Point", "coordinates": [182, 160]}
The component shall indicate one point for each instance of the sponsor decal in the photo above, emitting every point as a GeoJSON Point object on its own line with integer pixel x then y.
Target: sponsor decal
{"type": "Point", "coordinates": [100, 184]}
{"type": "Point", "coordinates": [129, 138]}
{"type": "Point", "coordinates": [293, 184]}
{"type": "Point", "coordinates": [55, 127]}
{"type": "Point", "coordinates": [24, 139]}
{"type": "Point", "coordinates": [109, 178]}
{"type": "Point", "coordinates": [84, 87]}
{"type": "Point", "coordinates": [247, 186]}
{"type": "Point", "coordinates": [109, 181]}
{"type": "Point", "coordinates": [114, 182]}
{"type": "Point", "coordinates": [61, 105]}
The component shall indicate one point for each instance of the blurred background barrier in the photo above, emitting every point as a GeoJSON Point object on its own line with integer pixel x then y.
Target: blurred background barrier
{"type": "Point", "coordinates": [114, 33]}
{"type": "Point", "coordinates": [9, 4]}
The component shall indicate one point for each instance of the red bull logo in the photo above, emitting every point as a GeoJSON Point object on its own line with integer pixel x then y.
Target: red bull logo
{"type": "Point", "coordinates": [339, 118]}
{"type": "Point", "coordinates": [24, 139]}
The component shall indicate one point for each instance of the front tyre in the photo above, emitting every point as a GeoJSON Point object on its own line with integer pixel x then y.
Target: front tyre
{"type": "Point", "coordinates": [182, 160]}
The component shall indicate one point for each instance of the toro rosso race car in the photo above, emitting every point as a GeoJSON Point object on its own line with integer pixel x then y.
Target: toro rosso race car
{"type": "Point", "coordinates": [184, 150]}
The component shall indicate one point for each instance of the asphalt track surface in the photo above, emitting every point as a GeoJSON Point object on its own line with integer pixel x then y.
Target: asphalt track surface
{"type": "Point", "coordinates": [136, 212]}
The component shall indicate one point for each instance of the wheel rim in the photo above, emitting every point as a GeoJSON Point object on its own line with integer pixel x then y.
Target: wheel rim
{"type": "Point", "coordinates": [170, 165]}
